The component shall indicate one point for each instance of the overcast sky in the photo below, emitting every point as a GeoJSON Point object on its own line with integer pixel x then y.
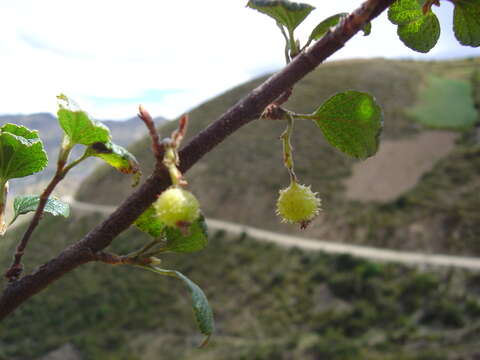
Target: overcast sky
{"type": "Point", "coordinates": [111, 55]}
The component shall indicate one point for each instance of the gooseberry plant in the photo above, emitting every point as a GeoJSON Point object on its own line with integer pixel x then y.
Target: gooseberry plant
{"type": "Point", "coordinates": [162, 206]}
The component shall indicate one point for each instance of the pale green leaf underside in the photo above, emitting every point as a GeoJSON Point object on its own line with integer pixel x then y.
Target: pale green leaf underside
{"type": "Point", "coordinates": [352, 122]}
{"type": "Point", "coordinates": [20, 130]}
{"type": "Point", "coordinates": [290, 14]}
{"type": "Point", "coordinates": [321, 29]}
{"type": "Point", "coordinates": [418, 31]}
{"type": "Point", "coordinates": [466, 22]}
{"type": "Point", "coordinates": [81, 129]}
{"type": "Point", "coordinates": [20, 156]}
{"type": "Point", "coordinates": [201, 308]}
{"type": "Point", "coordinates": [28, 203]}
{"type": "Point", "coordinates": [77, 124]}
{"type": "Point", "coordinates": [115, 155]}
{"type": "Point", "coordinates": [196, 240]}
{"type": "Point", "coordinates": [148, 222]}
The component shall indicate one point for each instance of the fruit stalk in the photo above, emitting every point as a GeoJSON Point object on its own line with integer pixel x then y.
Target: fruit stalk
{"type": "Point", "coordinates": [288, 149]}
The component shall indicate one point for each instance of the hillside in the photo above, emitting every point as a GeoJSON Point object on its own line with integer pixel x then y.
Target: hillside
{"type": "Point", "coordinates": [419, 193]}
{"type": "Point", "coordinates": [269, 303]}
{"type": "Point", "coordinates": [123, 132]}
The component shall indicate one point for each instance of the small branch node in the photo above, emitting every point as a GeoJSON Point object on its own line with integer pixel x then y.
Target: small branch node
{"type": "Point", "coordinates": [274, 112]}
{"type": "Point", "coordinates": [14, 272]}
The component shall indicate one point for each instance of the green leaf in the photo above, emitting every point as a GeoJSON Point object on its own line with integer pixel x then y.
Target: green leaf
{"type": "Point", "coordinates": [352, 122]}
{"type": "Point", "coordinates": [418, 31]}
{"type": "Point", "coordinates": [321, 29]}
{"type": "Point", "coordinates": [19, 130]}
{"type": "Point", "coordinates": [367, 29]}
{"type": "Point", "coordinates": [201, 308]}
{"type": "Point", "coordinates": [290, 14]}
{"type": "Point", "coordinates": [195, 240]}
{"type": "Point", "coordinates": [77, 124]}
{"type": "Point", "coordinates": [148, 222]}
{"type": "Point", "coordinates": [116, 156]}
{"type": "Point", "coordinates": [21, 152]}
{"type": "Point", "coordinates": [466, 22]}
{"type": "Point", "coordinates": [28, 203]}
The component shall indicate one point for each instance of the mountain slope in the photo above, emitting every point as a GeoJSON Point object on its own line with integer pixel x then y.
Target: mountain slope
{"type": "Point", "coordinates": [240, 179]}
{"type": "Point", "coordinates": [123, 133]}
{"type": "Point", "coordinates": [271, 303]}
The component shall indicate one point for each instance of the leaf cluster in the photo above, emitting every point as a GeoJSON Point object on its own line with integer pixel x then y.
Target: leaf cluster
{"type": "Point", "coordinates": [419, 28]}
{"type": "Point", "coordinates": [22, 153]}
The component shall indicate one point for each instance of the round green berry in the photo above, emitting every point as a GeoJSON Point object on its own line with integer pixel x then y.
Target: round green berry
{"type": "Point", "coordinates": [177, 207]}
{"type": "Point", "coordinates": [297, 204]}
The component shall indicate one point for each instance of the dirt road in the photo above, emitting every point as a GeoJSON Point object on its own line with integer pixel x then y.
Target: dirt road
{"type": "Point", "coordinates": [383, 255]}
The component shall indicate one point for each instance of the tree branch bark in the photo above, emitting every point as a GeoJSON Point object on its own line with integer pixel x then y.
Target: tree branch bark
{"type": "Point", "coordinates": [245, 111]}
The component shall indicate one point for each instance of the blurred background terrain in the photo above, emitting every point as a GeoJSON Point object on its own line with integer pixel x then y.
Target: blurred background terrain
{"type": "Point", "coordinates": [124, 132]}
{"type": "Point", "coordinates": [419, 193]}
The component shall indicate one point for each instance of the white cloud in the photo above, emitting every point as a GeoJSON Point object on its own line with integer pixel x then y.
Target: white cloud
{"type": "Point", "coordinates": [94, 50]}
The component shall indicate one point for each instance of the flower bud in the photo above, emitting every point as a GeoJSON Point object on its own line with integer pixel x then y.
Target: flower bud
{"type": "Point", "coordinates": [177, 207]}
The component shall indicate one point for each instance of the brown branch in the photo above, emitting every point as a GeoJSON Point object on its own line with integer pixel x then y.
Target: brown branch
{"type": "Point", "coordinates": [111, 259]}
{"type": "Point", "coordinates": [246, 110]}
{"type": "Point", "coordinates": [15, 270]}
{"type": "Point", "coordinates": [283, 98]}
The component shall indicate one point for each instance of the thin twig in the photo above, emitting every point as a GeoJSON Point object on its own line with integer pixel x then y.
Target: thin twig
{"type": "Point", "coordinates": [157, 147]}
{"type": "Point", "coordinates": [179, 133]}
{"type": "Point", "coordinates": [16, 269]}
{"type": "Point", "coordinates": [114, 259]}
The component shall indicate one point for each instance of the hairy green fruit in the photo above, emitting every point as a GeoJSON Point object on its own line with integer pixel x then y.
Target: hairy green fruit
{"type": "Point", "coordinates": [297, 204]}
{"type": "Point", "coordinates": [177, 207]}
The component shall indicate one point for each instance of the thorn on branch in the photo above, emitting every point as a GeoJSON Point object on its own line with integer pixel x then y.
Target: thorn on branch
{"type": "Point", "coordinates": [157, 147]}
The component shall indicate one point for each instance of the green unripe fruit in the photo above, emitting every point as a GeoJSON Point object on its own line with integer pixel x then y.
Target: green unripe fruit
{"type": "Point", "coordinates": [177, 207]}
{"type": "Point", "coordinates": [297, 204]}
